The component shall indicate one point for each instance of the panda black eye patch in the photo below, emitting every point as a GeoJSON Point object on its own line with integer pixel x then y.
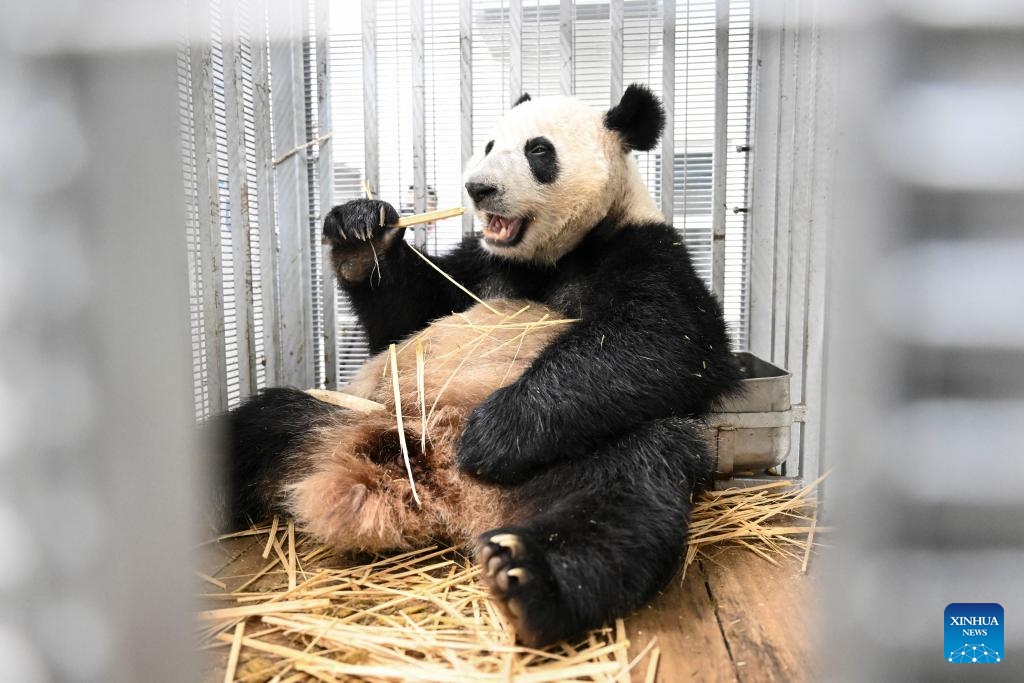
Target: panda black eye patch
{"type": "Point", "coordinates": [543, 159]}
{"type": "Point", "coordinates": [487, 149]}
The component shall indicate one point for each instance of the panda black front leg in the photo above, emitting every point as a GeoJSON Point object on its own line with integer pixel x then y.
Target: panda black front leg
{"type": "Point", "coordinates": [599, 536]}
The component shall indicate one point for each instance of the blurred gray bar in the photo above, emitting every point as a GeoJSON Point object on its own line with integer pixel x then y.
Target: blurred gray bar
{"type": "Point", "coordinates": [97, 474]}
{"type": "Point", "coordinates": [926, 359]}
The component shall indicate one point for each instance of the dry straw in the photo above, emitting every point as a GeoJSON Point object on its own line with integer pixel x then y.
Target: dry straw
{"type": "Point", "coordinates": [424, 616]}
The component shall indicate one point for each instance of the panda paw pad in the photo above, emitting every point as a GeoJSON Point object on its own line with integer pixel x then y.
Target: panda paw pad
{"type": "Point", "coordinates": [515, 578]}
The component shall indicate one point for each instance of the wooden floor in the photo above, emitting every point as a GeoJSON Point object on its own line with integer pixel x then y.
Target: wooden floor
{"type": "Point", "coordinates": [735, 617]}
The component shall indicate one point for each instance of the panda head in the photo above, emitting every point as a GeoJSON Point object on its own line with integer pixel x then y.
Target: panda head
{"type": "Point", "coordinates": [555, 168]}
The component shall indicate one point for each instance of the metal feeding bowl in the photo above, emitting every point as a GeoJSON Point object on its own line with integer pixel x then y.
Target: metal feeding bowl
{"type": "Point", "coordinates": [750, 432]}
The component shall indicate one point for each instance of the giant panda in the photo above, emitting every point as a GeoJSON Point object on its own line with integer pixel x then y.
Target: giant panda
{"type": "Point", "coordinates": [567, 464]}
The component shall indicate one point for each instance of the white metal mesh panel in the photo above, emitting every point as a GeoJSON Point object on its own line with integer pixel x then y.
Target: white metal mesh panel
{"type": "Point", "coordinates": [443, 131]}
{"type": "Point", "coordinates": [556, 44]}
{"type": "Point", "coordinates": [736, 291]}
{"type": "Point", "coordinates": [192, 235]}
{"type": "Point", "coordinates": [591, 53]}
{"type": "Point", "coordinates": [347, 143]}
{"type": "Point", "coordinates": [642, 63]}
{"type": "Point", "coordinates": [541, 50]}
{"type": "Point", "coordinates": [227, 311]}
{"type": "Point", "coordinates": [694, 128]}
{"type": "Point", "coordinates": [491, 64]}
{"type": "Point", "coordinates": [230, 296]}
{"type": "Point", "coordinates": [252, 202]}
{"type": "Point", "coordinates": [312, 170]}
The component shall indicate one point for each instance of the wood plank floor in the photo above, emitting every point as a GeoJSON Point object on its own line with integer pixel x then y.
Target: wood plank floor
{"type": "Point", "coordinates": [736, 618]}
{"type": "Point", "coordinates": [733, 618]}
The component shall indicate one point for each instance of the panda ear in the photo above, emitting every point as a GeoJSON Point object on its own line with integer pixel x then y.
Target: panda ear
{"type": "Point", "coordinates": [638, 118]}
{"type": "Point", "coordinates": [525, 97]}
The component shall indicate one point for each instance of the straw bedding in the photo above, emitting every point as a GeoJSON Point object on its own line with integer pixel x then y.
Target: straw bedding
{"type": "Point", "coordinates": [305, 614]}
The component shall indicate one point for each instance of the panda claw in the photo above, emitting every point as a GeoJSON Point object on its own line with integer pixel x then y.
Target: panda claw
{"type": "Point", "coordinates": [494, 564]}
{"type": "Point", "coordinates": [509, 541]}
{"type": "Point", "coordinates": [519, 574]}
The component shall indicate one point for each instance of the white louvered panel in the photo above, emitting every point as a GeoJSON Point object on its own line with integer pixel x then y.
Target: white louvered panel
{"type": "Point", "coordinates": [443, 123]}
{"type": "Point", "coordinates": [394, 102]}
{"type": "Point", "coordinates": [349, 158]}
{"type": "Point", "coordinates": [192, 236]}
{"type": "Point", "coordinates": [313, 171]}
{"type": "Point", "coordinates": [736, 292]}
{"type": "Point", "coordinates": [541, 58]}
{"type": "Point", "coordinates": [490, 68]}
{"type": "Point", "coordinates": [642, 63]}
{"type": "Point", "coordinates": [224, 201]}
{"type": "Point", "coordinates": [592, 53]}
{"type": "Point", "coordinates": [694, 128]}
{"type": "Point", "coordinates": [248, 33]}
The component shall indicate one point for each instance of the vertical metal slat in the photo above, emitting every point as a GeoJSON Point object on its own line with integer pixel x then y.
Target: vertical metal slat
{"type": "Point", "coordinates": [668, 88]}
{"type": "Point", "coordinates": [326, 175]}
{"type": "Point", "coordinates": [289, 26]}
{"type": "Point", "coordinates": [370, 119]}
{"type": "Point", "coordinates": [766, 60]}
{"type": "Point", "coordinates": [208, 217]}
{"type": "Point", "coordinates": [238, 187]}
{"type": "Point", "coordinates": [269, 252]}
{"type": "Point", "coordinates": [721, 140]}
{"type": "Point", "coordinates": [417, 21]}
{"type": "Point", "coordinates": [616, 30]}
{"type": "Point", "coordinates": [466, 91]}
{"type": "Point", "coordinates": [515, 26]}
{"type": "Point", "coordinates": [566, 23]}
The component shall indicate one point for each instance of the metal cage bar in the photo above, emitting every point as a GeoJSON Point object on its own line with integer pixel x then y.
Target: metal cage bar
{"type": "Point", "coordinates": [616, 30]}
{"type": "Point", "coordinates": [267, 211]}
{"type": "Point", "coordinates": [721, 146]}
{"type": "Point", "coordinates": [325, 161]}
{"type": "Point", "coordinates": [208, 217]}
{"type": "Point", "coordinates": [238, 188]}
{"type": "Point", "coordinates": [466, 93]}
{"type": "Point", "coordinates": [566, 25]}
{"type": "Point", "coordinates": [293, 191]}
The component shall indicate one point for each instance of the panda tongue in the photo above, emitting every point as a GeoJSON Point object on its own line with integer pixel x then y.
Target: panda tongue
{"type": "Point", "coordinates": [503, 228]}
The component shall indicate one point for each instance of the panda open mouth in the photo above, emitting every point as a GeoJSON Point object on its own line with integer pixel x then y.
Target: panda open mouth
{"type": "Point", "coordinates": [503, 231]}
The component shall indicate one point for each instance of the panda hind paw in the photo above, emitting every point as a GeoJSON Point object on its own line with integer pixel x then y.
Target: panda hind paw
{"type": "Point", "coordinates": [520, 584]}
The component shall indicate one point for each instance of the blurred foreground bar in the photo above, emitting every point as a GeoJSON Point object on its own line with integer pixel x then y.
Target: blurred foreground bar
{"type": "Point", "coordinates": [96, 472]}
{"type": "Point", "coordinates": [926, 396]}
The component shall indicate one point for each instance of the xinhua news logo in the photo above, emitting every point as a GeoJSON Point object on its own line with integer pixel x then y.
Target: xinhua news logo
{"type": "Point", "coordinates": [974, 633]}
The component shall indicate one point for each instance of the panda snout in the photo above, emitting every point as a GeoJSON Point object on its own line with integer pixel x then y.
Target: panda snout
{"type": "Point", "coordinates": [480, 191]}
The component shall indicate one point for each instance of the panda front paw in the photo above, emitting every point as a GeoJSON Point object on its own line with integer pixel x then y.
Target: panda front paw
{"type": "Point", "coordinates": [496, 444]}
{"type": "Point", "coordinates": [359, 232]}
{"type": "Point", "coordinates": [360, 220]}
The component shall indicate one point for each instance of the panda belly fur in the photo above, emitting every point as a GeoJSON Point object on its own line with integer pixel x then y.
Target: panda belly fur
{"type": "Point", "coordinates": [355, 492]}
